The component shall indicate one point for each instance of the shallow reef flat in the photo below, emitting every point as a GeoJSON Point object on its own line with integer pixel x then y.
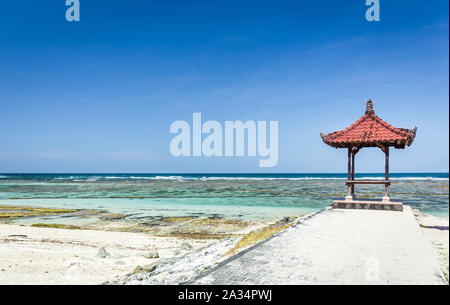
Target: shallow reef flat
{"type": "Point", "coordinates": [14, 212]}
{"type": "Point", "coordinates": [197, 227]}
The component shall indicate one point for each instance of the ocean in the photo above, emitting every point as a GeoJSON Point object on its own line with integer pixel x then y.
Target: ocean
{"type": "Point", "coordinates": [241, 196]}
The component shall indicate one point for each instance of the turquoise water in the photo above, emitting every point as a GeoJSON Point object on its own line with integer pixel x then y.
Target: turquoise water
{"type": "Point", "coordinates": [244, 196]}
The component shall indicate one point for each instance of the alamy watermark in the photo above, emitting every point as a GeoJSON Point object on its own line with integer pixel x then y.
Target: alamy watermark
{"type": "Point", "coordinates": [73, 12]}
{"type": "Point", "coordinates": [228, 141]}
{"type": "Point", "coordinates": [373, 12]}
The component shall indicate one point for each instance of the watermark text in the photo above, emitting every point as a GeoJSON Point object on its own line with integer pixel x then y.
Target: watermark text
{"type": "Point", "coordinates": [228, 141]}
{"type": "Point", "coordinates": [73, 12]}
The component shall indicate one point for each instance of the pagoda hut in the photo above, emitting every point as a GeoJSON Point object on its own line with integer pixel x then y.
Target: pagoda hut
{"type": "Point", "coordinates": [369, 131]}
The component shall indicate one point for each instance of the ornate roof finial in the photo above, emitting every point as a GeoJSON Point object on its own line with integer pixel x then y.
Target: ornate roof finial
{"type": "Point", "coordinates": [369, 107]}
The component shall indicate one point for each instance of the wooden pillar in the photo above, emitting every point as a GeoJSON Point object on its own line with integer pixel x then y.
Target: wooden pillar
{"type": "Point", "coordinates": [353, 171]}
{"type": "Point", "coordinates": [386, 166]}
{"type": "Point", "coordinates": [349, 196]}
{"type": "Point", "coordinates": [349, 165]}
{"type": "Point", "coordinates": [386, 174]}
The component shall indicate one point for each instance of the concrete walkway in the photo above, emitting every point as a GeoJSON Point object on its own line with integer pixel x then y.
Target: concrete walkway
{"type": "Point", "coordinates": [337, 247]}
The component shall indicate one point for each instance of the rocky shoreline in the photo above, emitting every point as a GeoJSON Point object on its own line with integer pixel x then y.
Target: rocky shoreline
{"type": "Point", "coordinates": [113, 248]}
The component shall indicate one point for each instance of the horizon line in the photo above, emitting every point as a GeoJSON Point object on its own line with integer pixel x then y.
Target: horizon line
{"type": "Point", "coordinates": [213, 173]}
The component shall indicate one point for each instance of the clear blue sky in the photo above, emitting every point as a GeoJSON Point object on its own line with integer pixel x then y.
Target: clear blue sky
{"type": "Point", "coordinates": [99, 95]}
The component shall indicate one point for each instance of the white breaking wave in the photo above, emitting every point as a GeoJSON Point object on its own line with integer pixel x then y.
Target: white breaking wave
{"type": "Point", "coordinates": [405, 178]}
{"type": "Point", "coordinates": [272, 178]}
{"type": "Point", "coordinates": [180, 178]}
{"type": "Point", "coordinates": [80, 178]}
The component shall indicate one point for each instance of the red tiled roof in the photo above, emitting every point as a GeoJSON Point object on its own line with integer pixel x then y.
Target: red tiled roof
{"type": "Point", "coordinates": [370, 130]}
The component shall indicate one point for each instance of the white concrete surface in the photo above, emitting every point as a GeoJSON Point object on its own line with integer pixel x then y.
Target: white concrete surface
{"type": "Point", "coordinates": [338, 247]}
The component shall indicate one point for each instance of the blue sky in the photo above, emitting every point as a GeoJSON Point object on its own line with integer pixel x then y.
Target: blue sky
{"type": "Point", "coordinates": [99, 95]}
